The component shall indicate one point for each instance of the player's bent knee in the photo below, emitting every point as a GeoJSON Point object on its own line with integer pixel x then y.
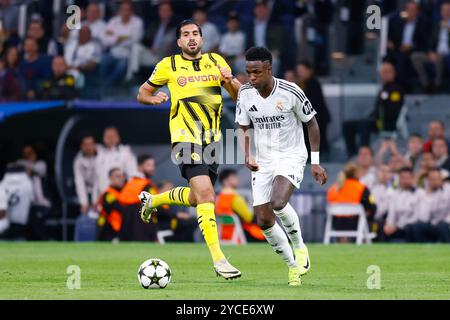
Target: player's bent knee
{"type": "Point", "coordinates": [265, 223]}
{"type": "Point", "coordinates": [204, 195]}
{"type": "Point", "coordinates": [278, 204]}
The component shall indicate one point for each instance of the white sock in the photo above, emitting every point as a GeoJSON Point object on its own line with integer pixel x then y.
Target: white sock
{"type": "Point", "coordinates": [291, 224]}
{"type": "Point", "coordinates": [280, 244]}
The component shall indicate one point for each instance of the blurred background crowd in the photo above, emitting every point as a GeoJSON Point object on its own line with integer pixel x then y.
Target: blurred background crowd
{"type": "Point", "coordinates": [381, 96]}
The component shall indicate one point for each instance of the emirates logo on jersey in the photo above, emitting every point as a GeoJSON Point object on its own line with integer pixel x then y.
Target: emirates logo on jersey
{"type": "Point", "coordinates": [182, 81]}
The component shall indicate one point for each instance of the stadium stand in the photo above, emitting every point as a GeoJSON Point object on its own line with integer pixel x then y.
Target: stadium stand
{"type": "Point", "coordinates": [53, 110]}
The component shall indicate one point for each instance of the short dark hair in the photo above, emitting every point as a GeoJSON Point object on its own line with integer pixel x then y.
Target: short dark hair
{"type": "Point", "coordinates": [406, 169]}
{"type": "Point", "coordinates": [144, 157]}
{"type": "Point", "coordinates": [87, 135]}
{"type": "Point", "coordinates": [258, 54]}
{"type": "Point", "coordinates": [185, 23]}
{"type": "Point", "coordinates": [112, 170]}
{"type": "Point", "coordinates": [224, 174]}
{"type": "Point", "coordinates": [415, 135]}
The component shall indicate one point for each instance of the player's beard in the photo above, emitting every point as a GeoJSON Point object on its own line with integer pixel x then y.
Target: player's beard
{"type": "Point", "coordinates": [191, 53]}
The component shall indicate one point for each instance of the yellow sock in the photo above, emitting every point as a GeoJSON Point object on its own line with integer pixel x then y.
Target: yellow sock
{"type": "Point", "coordinates": [207, 224]}
{"type": "Point", "coordinates": [178, 196]}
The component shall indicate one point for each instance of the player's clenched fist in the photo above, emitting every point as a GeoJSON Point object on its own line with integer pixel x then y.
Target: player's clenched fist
{"type": "Point", "coordinates": [319, 174]}
{"type": "Point", "coordinates": [158, 98]}
{"type": "Point", "coordinates": [226, 74]}
{"type": "Point", "coordinates": [250, 162]}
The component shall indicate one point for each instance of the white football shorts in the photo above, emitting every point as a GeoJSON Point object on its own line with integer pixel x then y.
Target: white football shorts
{"type": "Point", "coordinates": [263, 178]}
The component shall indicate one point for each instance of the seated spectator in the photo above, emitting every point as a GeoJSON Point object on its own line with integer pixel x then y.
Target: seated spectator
{"type": "Point", "coordinates": [438, 55]}
{"type": "Point", "coordinates": [113, 154]}
{"type": "Point", "coordinates": [121, 33]}
{"type": "Point", "coordinates": [9, 15]}
{"type": "Point", "coordinates": [381, 191]}
{"type": "Point", "coordinates": [406, 36]}
{"type": "Point", "coordinates": [366, 166]}
{"type": "Point", "coordinates": [436, 129]}
{"type": "Point", "coordinates": [348, 189]}
{"type": "Point", "coordinates": [37, 170]}
{"type": "Point", "coordinates": [62, 84]}
{"type": "Point", "coordinates": [95, 22]}
{"type": "Point", "coordinates": [133, 228]}
{"type": "Point", "coordinates": [37, 32]}
{"type": "Point", "coordinates": [86, 185]}
{"type": "Point", "coordinates": [228, 202]}
{"type": "Point", "coordinates": [210, 33]}
{"type": "Point", "coordinates": [396, 163]}
{"type": "Point", "coordinates": [111, 210]}
{"type": "Point", "coordinates": [414, 150]}
{"type": "Point", "coordinates": [19, 194]}
{"type": "Point", "coordinates": [232, 43]}
{"type": "Point", "coordinates": [384, 115]}
{"type": "Point", "coordinates": [440, 153]}
{"type": "Point", "coordinates": [85, 62]}
{"type": "Point", "coordinates": [403, 209]}
{"type": "Point", "coordinates": [427, 164]}
{"type": "Point", "coordinates": [268, 33]}
{"type": "Point", "coordinates": [396, 160]}
{"type": "Point", "coordinates": [159, 38]}
{"type": "Point", "coordinates": [389, 102]}
{"type": "Point", "coordinates": [435, 210]}
{"type": "Point", "coordinates": [9, 76]}
{"type": "Point", "coordinates": [33, 69]}
{"type": "Point", "coordinates": [313, 90]}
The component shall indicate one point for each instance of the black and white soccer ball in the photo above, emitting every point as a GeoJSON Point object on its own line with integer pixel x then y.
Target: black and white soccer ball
{"type": "Point", "coordinates": [154, 273]}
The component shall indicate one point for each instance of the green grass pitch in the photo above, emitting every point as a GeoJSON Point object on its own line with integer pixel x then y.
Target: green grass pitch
{"type": "Point", "coordinates": [108, 271]}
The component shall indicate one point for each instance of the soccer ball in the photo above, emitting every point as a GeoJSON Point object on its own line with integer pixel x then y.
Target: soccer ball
{"type": "Point", "coordinates": [154, 273]}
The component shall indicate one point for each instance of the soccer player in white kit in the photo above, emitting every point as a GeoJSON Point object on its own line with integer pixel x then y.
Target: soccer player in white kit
{"type": "Point", "coordinates": [277, 109]}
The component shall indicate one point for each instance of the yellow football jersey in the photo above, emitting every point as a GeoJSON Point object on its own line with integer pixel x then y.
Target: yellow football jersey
{"type": "Point", "coordinates": [195, 90]}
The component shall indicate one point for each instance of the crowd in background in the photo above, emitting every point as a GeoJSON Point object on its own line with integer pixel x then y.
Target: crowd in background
{"type": "Point", "coordinates": [108, 178]}
{"type": "Point", "coordinates": [419, 45]}
{"type": "Point", "coordinates": [115, 37]}
{"type": "Point", "coordinates": [406, 193]}
{"type": "Point", "coordinates": [118, 36]}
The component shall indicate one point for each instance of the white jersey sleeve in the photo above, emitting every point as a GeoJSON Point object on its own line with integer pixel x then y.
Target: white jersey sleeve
{"type": "Point", "coordinates": [302, 106]}
{"type": "Point", "coordinates": [242, 117]}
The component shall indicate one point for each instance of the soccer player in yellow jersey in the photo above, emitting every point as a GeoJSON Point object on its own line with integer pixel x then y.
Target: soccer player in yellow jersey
{"type": "Point", "coordinates": [194, 80]}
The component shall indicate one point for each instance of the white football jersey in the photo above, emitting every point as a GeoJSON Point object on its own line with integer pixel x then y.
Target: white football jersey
{"type": "Point", "coordinates": [277, 120]}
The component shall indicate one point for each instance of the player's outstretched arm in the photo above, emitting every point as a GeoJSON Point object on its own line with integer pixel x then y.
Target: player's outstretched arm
{"type": "Point", "coordinates": [146, 95]}
{"type": "Point", "coordinates": [319, 173]}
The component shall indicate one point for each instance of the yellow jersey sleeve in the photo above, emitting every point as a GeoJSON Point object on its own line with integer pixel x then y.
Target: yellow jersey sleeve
{"type": "Point", "coordinates": [161, 73]}
{"type": "Point", "coordinates": [221, 61]}
{"type": "Point", "coordinates": [240, 207]}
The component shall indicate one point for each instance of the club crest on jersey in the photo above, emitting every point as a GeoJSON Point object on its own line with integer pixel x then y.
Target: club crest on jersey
{"type": "Point", "coordinates": [279, 106]}
{"type": "Point", "coordinates": [208, 65]}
